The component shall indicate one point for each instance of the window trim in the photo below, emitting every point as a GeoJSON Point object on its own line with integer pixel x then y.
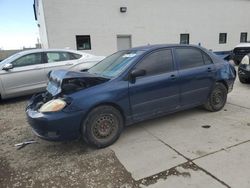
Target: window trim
{"type": "Point", "coordinates": [148, 54]}
{"type": "Point", "coordinates": [220, 35]}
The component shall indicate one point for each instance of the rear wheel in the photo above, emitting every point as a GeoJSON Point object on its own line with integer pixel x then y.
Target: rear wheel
{"type": "Point", "coordinates": [217, 98]}
{"type": "Point", "coordinates": [103, 126]}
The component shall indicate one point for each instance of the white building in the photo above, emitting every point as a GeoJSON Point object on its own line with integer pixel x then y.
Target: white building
{"type": "Point", "coordinates": [105, 26]}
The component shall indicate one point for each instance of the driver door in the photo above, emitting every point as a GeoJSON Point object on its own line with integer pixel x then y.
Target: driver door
{"type": "Point", "coordinates": [26, 77]}
{"type": "Point", "coordinates": [158, 91]}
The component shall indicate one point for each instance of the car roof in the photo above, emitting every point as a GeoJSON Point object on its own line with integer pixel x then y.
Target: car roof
{"type": "Point", "coordinates": [51, 50]}
{"type": "Point", "coordinates": [243, 45]}
{"type": "Point", "coordinates": [157, 46]}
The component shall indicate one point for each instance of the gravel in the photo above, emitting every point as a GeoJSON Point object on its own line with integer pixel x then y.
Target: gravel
{"type": "Point", "coordinates": [52, 164]}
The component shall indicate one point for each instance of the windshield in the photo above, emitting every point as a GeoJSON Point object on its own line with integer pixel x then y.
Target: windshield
{"type": "Point", "coordinates": [9, 58]}
{"type": "Point", "coordinates": [113, 65]}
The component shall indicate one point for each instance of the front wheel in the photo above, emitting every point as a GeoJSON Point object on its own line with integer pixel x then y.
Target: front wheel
{"type": "Point", "coordinates": [103, 126]}
{"type": "Point", "coordinates": [217, 98]}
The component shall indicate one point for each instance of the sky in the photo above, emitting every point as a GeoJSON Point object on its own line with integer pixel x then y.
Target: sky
{"type": "Point", "coordinates": [18, 27]}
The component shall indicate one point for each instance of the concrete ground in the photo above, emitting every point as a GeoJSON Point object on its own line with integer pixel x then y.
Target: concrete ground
{"type": "Point", "coordinates": [193, 148]}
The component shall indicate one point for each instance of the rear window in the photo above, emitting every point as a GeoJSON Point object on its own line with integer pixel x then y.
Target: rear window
{"type": "Point", "coordinates": [75, 56]}
{"type": "Point", "coordinates": [57, 56]}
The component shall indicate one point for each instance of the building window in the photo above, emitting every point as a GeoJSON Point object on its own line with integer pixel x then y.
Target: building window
{"type": "Point", "coordinates": [184, 38]}
{"type": "Point", "coordinates": [223, 38]}
{"type": "Point", "coordinates": [83, 42]}
{"type": "Point", "coordinates": [243, 37]}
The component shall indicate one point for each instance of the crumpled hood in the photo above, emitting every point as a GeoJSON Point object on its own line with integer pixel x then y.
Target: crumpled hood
{"type": "Point", "coordinates": [63, 81]}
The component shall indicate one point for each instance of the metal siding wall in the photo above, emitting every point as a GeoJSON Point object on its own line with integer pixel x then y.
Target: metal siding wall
{"type": "Point", "coordinates": [147, 21]}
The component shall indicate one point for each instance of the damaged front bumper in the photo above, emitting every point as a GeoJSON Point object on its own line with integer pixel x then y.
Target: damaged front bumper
{"type": "Point", "coordinates": [53, 126]}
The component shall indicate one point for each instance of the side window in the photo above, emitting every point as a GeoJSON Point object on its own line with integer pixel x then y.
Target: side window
{"type": "Point", "coordinates": [74, 56]}
{"type": "Point", "coordinates": [30, 59]}
{"type": "Point", "coordinates": [207, 59]}
{"type": "Point", "coordinates": [57, 56]}
{"type": "Point", "coordinates": [157, 63]}
{"type": "Point", "coordinates": [189, 57]}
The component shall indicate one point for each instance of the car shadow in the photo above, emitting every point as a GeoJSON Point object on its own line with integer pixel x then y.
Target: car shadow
{"type": "Point", "coordinates": [15, 100]}
{"type": "Point", "coordinates": [165, 119]}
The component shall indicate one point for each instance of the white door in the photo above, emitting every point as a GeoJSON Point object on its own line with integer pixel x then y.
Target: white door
{"type": "Point", "coordinates": [26, 77]}
{"type": "Point", "coordinates": [123, 42]}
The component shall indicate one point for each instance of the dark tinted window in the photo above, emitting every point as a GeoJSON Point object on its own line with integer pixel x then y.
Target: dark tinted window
{"type": "Point", "coordinates": [207, 59]}
{"type": "Point", "coordinates": [31, 59]}
{"type": "Point", "coordinates": [157, 62]}
{"type": "Point", "coordinates": [189, 57]}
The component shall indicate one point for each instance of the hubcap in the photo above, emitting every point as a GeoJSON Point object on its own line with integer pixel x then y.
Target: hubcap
{"type": "Point", "coordinates": [104, 126]}
{"type": "Point", "coordinates": [218, 98]}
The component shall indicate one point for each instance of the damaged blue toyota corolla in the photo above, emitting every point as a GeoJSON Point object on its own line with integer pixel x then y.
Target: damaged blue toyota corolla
{"type": "Point", "coordinates": [127, 87]}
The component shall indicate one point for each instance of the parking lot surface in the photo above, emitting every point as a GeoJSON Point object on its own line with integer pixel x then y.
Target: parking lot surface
{"type": "Point", "coordinates": [192, 148]}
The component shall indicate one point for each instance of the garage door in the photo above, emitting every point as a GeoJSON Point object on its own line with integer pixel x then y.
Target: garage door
{"type": "Point", "coordinates": [123, 42]}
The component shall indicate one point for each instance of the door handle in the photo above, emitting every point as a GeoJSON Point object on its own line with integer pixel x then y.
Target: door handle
{"type": "Point", "coordinates": [68, 64]}
{"type": "Point", "coordinates": [173, 77]}
{"type": "Point", "coordinates": [209, 69]}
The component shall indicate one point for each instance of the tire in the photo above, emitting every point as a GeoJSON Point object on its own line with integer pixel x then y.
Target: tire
{"type": "Point", "coordinates": [242, 80]}
{"type": "Point", "coordinates": [237, 62]}
{"type": "Point", "coordinates": [102, 126]}
{"type": "Point", "coordinates": [217, 99]}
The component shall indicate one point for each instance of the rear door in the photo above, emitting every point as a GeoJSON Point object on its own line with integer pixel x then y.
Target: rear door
{"type": "Point", "coordinates": [27, 76]}
{"type": "Point", "coordinates": [157, 91]}
{"type": "Point", "coordinates": [197, 75]}
{"type": "Point", "coordinates": [59, 60]}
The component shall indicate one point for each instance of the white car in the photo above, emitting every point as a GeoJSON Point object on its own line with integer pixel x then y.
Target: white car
{"type": "Point", "coordinates": [26, 72]}
{"type": "Point", "coordinates": [240, 51]}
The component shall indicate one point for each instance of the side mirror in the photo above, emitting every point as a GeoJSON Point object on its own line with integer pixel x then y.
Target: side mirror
{"type": "Point", "coordinates": [136, 73]}
{"type": "Point", "coordinates": [8, 66]}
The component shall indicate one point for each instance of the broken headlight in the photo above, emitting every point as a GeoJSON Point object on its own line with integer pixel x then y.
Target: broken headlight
{"type": "Point", "coordinates": [53, 106]}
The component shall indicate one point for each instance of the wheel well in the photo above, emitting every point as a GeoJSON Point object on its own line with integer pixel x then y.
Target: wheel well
{"type": "Point", "coordinates": [224, 83]}
{"type": "Point", "coordinates": [117, 107]}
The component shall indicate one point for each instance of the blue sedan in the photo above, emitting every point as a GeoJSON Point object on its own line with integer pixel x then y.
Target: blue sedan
{"type": "Point", "coordinates": [128, 87]}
